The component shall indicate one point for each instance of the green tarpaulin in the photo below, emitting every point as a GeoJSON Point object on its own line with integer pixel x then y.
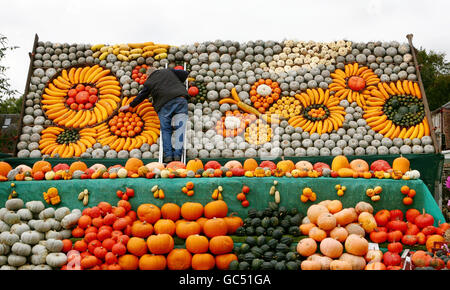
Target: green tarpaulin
{"type": "Point", "coordinates": [290, 190]}
{"type": "Point", "coordinates": [429, 165]}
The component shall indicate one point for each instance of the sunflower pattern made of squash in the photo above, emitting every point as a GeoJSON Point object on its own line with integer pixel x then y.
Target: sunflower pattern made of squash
{"type": "Point", "coordinates": [354, 83]}
{"type": "Point", "coordinates": [66, 143]}
{"type": "Point", "coordinates": [321, 112]}
{"type": "Point", "coordinates": [106, 88]}
{"type": "Point", "coordinates": [395, 110]}
{"type": "Point", "coordinates": [121, 133]}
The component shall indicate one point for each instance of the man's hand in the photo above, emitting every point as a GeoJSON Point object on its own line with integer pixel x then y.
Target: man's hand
{"type": "Point", "coordinates": [124, 108]}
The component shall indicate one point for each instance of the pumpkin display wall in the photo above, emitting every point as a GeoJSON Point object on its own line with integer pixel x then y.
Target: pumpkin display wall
{"type": "Point", "coordinates": [309, 99]}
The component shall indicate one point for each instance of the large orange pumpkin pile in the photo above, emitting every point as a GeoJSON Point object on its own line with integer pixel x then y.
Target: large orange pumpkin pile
{"type": "Point", "coordinates": [118, 237]}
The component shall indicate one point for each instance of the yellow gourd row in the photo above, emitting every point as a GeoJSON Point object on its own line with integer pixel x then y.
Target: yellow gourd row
{"type": "Point", "coordinates": [131, 51]}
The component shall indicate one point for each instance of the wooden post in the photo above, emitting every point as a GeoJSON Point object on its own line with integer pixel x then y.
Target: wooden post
{"type": "Point", "coordinates": [437, 148]}
{"type": "Point", "coordinates": [26, 91]}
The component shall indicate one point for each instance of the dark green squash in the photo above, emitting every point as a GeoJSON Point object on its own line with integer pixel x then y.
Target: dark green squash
{"type": "Point", "coordinates": [251, 213]}
{"type": "Point", "coordinates": [256, 251]}
{"type": "Point", "coordinates": [291, 256]}
{"type": "Point", "coordinates": [295, 231]}
{"type": "Point", "coordinates": [279, 256]}
{"type": "Point", "coordinates": [280, 266]}
{"type": "Point", "coordinates": [286, 240]}
{"type": "Point", "coordinates": [240, 231]}
{"type": "Point", "coordinates": [266, 266]}
{"type": "Point", "coordinates": [250, 231]}
{"type": "Point", "coordinates": [244, 265]}
{"type": "Point", "coordinates": [249, 257]}
{"type": "Point", "coordinates": [244, 248]}
{"type": "Point", "coordinates": [234, 265]}
{"type": "Point", "coordinates": [260, 231]}
{"type": "Point", "coordinates": [273, 205]}
{"type": "Point", "coordinates": [256, 222]}
{"type": "Point", "coordinates": [282, 248]}
{"type": "Point", "coordinates": [272, 243]}
{"type": "Point", "coordinates": [250, 240]}
{"type": "Point", "coordinates": [274, 221]}
{"type": "Point", "coordinates": [256, 264]}
{"type": "Point", "coordinates": [296, 220]}
{"type": "Point", "coordinates": [265, 248]}
{"type": "Point", "coordinates": [291, 265]}
{"type": "Point", "coordinates": [265, 222]}
{"type": "Point", "coordinates": [268, 256]}
{"type": "Point", "coordinates": [269, 231]}
{"type": "Point", "coordinates": [277, 233]}
{"type": "Point", "coordinates": [260, 240]}
{"type": "Point", "coordinates": [293, 211]}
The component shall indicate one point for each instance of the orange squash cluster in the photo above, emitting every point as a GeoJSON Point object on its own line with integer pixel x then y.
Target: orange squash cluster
{"type": "Point", "coordinates": [126, 124]}
{"type": "Point", "coordinates": [263, 101]}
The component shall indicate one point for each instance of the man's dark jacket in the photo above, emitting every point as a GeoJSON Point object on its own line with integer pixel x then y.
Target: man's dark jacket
{"type": "Point", "coordinates": [163, 85]}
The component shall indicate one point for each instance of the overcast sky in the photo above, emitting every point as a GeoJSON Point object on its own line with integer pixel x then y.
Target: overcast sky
{"type": "Point", "coordinates": [181, 22]}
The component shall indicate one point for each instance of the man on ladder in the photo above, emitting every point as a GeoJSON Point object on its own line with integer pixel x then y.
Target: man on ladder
{"type": "Point", "coordinates": [168, 91]}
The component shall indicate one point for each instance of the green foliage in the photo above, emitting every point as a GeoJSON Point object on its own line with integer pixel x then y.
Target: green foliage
{"type": "Point", "coordinates": [435, 73]}
{"type": "Point", "coordinates": [11, 105]}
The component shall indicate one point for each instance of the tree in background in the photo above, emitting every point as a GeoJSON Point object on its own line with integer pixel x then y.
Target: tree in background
{"type": "Point", "coordinates": [9, 102]}
{"type": "Point", "coordinates": [435, 73]}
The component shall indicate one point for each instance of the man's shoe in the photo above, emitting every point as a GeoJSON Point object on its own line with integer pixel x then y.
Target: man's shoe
{"type": "Point", "coordinates": [167, 159]}
{"type": "Point", "coordinates": [177, 158]}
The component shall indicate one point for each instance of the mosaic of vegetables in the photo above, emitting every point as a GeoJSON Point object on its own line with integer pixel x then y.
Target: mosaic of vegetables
{"type": "Point", "coordinates": [250, 99]}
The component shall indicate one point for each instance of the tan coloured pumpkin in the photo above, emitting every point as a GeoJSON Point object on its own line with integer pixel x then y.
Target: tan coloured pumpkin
{"type": "Point", "coordinates": [363, 206]}
{"type": "Point", "coordinates": [325, 203]}
{"type": "Point", "coordinates": [304, 165]}
{"type": "Point", "coordinates": [346, 216]}
{"type": "Point", "coordinates": [306, 247]}
{"type": "Point", "coordinates": [373, 256]}
{"type": "Point", "coordinates": [326, 221]}
{"type": "Point", "coordinates": [340, 265]}
{"type": "Point", "coordinates": [339, 233]}
{"type": "Point", "coordinates": [355, 229]}
{"type": "Point", "coordinates": [357, 262]}
{"type": "Point", "coordinates": [304, 228]}
{"type": "Point", "coordinates": [310, 265]}
{"type": "Point", "coordinates": [334, 206]}
{"type": "Point", "coordinates": [317, 234]}
{"type": "Point", "coordinates": [356, 245]}
{"type": "Point", "coordinates": [314, 211]}
{"type": "Point", "coordinates": [367, 222]}
{"type": "Point", "coordinates": [331, 248]}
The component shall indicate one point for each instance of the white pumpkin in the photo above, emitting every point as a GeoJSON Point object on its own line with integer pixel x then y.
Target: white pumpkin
{"type": "Point", "coordinates": [61, 212]}
{"type": "Point", "coordinates": [47, 213]}
{"type": "Point", "coordinates": [9, 238]}
{"type": "Point", "coordinates": [16, 260]}
{"type": "Point", "coordinates": [70, 220]}
{"type": "Point", "coordinates": [54, 245]}
{"type": "Point", "coordinates": [232, 122]}
{"type": "Point", "coordinates": [4, 249]}
{"type": "Point", "coordinates": [122, 173]}
{"type": "Point", "coordinates": [56, 260]}
{"type": "Point", "coordinates": [25, 214]}
{"type": "Point", "coordinates": [14, 204]}
{"type": "Point", "coordinates": [21, 249]}
{"type": "Point", "coordinates": [30, 237]}
{"type": "Point", "coordinates": [35, 206]}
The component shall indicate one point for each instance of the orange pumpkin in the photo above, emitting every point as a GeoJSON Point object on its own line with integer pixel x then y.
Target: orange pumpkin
{"type": "Point", "coordinates": [165, 226]}
{"type": "Point", "coordinates": [160, 244]}
{"type": "Point", "coordinates": [285, 166]}
{"type": "Point", "coordinates": [137, 246]}
{"type": "Point", "coordinates": [359, 165]}
{"type": "Point", "coordinates": [171, 211]}
{"type": "Point", "coordinates": [310, 265]}
{"type": "Point", "coordinates": [204, 261]}
{"type": "Point", "coordinates": [402, 164]}
{"type": "Point", "coordinates": [219, 245]}
{"type": "Point", "coordinates": [187, 228]}
{"type": "Point", "coordinates": [179, 259]}
{"type": "Point", "coordinates": [5, 168]}
{"type": "Point", "coordinates": [152, 262]}
{"type": "Point", "coordinates": [128, 262]}
{"type": "Point", "coordinates": [133, 164]}
{"type": "Point", "coordinates": [148, 212]}
{"type": "Point", "coordinates": [433, 239]}
{"type": "Point", "coordinates": [306, 247]}
{"type": "Point", "coordinates": [217, 208]}
{"type": "Point", "coordinates": [215, 227]}
{"type": "Point", "coordinates": [346, 172]}
{"type": "Point", "coordinates": [77, 165]}
{"type": "Point", "coordinates": [233, 164]}
{"type": "Point", "coordinates": [331, 248]}
{"type": "Point", "coordinates": [42, 165]}
{"type": "Point", "coordinates": [197, 244]}
{"type": "Point", "coordinates": [191, 210]}
{"type": "Point", "coordinates": [223, 261]}
{"type": "Point", "coordinates": [194, 165]}
{"type": "Point", "coordinates": [233, 223]}
{"type": "Point", "coordinates": [356, 245]}
{"type": "Point", "coordinates": [339, 162]}
{"type": "Point", "coordinates": [141, 229]}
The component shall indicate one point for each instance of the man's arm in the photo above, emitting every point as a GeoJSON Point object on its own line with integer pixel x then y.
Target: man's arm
{"type": "Point", "coordinates": [143, 94]}
{"type": "Point", "coordinates": [181, 74]}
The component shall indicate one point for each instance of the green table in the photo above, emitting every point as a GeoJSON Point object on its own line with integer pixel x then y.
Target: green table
{"type": "Point", "coordinates": [429, 165]}
{"type": "Point", "coordinates": [290, 190]}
